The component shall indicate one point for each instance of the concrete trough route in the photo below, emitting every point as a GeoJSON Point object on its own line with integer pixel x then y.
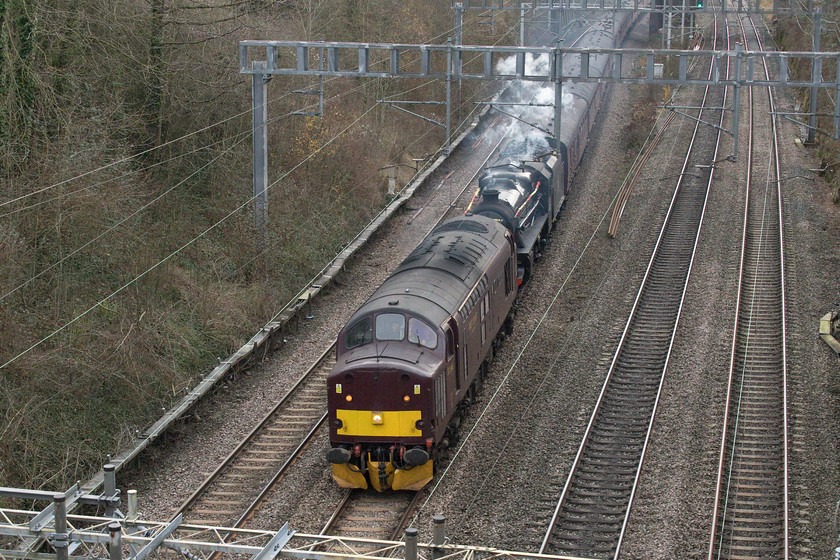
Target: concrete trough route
{"type": "Point", "coordinates": [828, 331]}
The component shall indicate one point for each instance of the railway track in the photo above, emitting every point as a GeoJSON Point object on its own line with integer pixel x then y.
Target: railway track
{"type": "Point", "coordinates": [592, 511]}
{"type": "Point", "coordinates": [232, 491]}
{"type": "Point", "coordinates": [229, 495]}
{"type": "Point", "coordinates": [374, 516]}
{"type": "Point", "coordinates": [750, 517]}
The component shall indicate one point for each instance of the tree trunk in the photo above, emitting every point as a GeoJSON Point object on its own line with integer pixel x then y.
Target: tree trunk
{"type": "Point", "coordinates": [157, 73]}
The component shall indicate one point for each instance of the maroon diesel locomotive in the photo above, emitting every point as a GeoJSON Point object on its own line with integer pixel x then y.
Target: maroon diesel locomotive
{"type": "Point", "coordinates": [411, 354]}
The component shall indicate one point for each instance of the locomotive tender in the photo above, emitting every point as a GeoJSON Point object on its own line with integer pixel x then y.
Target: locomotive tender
{"type": "Point", "coordinates": [408, 361]}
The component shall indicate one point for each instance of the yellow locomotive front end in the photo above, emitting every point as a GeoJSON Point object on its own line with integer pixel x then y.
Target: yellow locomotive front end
{"type": "Point", "coordinates": [380, 416]}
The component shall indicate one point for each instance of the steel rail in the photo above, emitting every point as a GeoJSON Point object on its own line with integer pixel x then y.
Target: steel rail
{"type": "Point", "coordinates": [718, 483]}
{"type": "Point", "coordinates": [783, 300]}
{"type": "Point", "coordinates": [600, 404]}
{"type": "Point", "coordinates": [400, 506]}
{"type": "Point", "coordinates": [246, 442]}
{"type": "Point", "coordinates": [287, 398]}
{"type": "Point", "coordinates": [767, 536]}
{"type": "Point", "coordinates": [266, 421]}
{"type": "Point", "coordinates": [685, 287]}
{"type": "Point", "coordinates": [336, 513]}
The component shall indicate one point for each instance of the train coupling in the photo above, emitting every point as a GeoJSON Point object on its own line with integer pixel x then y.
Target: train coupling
{"type": "Point", "coordinates": [416, 472]}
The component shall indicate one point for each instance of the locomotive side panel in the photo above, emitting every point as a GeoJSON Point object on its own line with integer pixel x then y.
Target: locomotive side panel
{"type": "Point", "coordinates": [481, 316]}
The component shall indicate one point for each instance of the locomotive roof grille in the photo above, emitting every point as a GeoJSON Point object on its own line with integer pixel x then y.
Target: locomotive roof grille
{"type": "Point", "coordinates": [461, 225]}
{"type": "Point", "coordinates": [466, 253]}
{"type": "Point", "coordinates": [434, 280]}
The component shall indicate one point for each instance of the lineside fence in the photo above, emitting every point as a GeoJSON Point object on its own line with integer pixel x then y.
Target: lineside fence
{"type": "Point", "coordinates": [52, 533]}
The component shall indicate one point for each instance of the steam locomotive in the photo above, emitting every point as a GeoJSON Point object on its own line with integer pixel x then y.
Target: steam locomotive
{"type": "Point", "coordinates": [526, 186]}
{"type": "Point", "coordinates": [409, 361]}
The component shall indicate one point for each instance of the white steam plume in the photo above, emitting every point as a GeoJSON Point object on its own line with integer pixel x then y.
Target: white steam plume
{"type": "Point", "coordinates": [526, 141]}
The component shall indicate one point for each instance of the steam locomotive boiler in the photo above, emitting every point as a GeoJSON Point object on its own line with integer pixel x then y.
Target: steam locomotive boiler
{"type": "Point", "coordinates": [526, 197]}
{"type": "Point", "coordinates": [526, 186]}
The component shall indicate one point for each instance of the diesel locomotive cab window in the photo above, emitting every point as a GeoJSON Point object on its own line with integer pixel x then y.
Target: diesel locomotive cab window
{"type": "Point", "coordinates": [360, 333]}
{"type": "Point", "coordinates": [421, 333]}
{"type": "Point", "coordinates": [390, 326]}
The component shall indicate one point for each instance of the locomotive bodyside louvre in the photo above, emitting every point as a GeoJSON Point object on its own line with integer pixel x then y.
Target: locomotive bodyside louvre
{"type": "Point", "coordinates": [480, 318]}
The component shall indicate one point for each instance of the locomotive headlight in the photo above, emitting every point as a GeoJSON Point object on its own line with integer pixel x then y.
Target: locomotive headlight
{"type": "Point", "coordinates": [377, 418]}
{"type": "Point", "coordinates": [406, 398]}
{"type": "Point", "coordinates": [348, 398]}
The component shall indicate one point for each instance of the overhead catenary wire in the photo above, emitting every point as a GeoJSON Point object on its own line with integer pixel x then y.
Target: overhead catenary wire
{"type": "Point", "coordinates": [189, 243]}
{"type": "Point", "coordinates": [347, 193]}
{"type": "Point", "coordinates": [466, 119]}
{"type": "Point", "coordinates": [164, 144]}
{"type": "Point", "coordinates": [120, 222]}
{"type": "Point", "coordinates": [148, 204]}
{"type": "Point", "coordinates": [123, 160]}
{"type": "Point", "coordinates": [180, 249]}
{"type": "Point", "coordinates": [124, 175]}
{"type": "Point", "coordinates": [318, 275]}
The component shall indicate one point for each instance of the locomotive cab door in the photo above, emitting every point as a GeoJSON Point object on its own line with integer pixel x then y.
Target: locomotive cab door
{"type": "Point", "coordinates": [453, 365]}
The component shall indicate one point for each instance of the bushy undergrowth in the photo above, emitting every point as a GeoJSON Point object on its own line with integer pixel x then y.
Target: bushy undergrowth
{"type": "Point", "coordinates": [796, 34]}
{"type": "Point", "coordinates": [638, 127]}
{"type": "Point", "coordinates": [119, 289]}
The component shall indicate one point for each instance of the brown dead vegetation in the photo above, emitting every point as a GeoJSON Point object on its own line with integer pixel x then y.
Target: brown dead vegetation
{"type": "Point", "coordinates": [86, 83]}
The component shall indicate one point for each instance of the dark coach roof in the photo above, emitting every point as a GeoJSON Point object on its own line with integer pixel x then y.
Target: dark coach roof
{"type": "Point", "coordinates": [437, 276]}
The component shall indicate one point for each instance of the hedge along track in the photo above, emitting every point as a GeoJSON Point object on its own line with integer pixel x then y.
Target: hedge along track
{"type": "Point", "coordinates": [750, 517]}
{"type": "Point", "coordinates": [592, 512]}
{"type": "Point", "coordinates": [232, 492]}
